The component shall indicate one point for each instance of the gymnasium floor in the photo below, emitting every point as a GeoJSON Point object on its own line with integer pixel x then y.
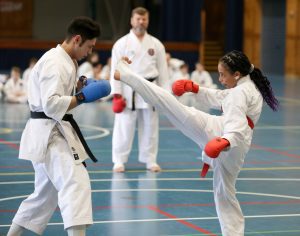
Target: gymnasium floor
{"type": "Point", "coordinates": [175, 201]}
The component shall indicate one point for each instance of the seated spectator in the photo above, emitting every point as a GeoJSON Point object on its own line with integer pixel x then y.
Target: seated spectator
{"type": "Point", "coordinates": [173, 65]}
{"type": "Point", "coordinates": [97, 68]}
{"type": "Point", "coordinates": [202, 77]}
{"type": "Point", "coordinates": [87, 67]}
{"type": "Point", "coordinates": [3, 79]}
{"type": "Point", "coordinates": [105, 73]}
{"type": "Point", "coordinates": [14, 89]}
{"type": "Point", "coordinates": [1, 88]}
{"type": "Point", "coordinates": [27, 71]}
{"type": "Point", "coordinates": [182, 73]}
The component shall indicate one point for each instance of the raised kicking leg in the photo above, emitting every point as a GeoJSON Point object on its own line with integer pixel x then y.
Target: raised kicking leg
{"type": "Point", "coordinates": [188, 120]}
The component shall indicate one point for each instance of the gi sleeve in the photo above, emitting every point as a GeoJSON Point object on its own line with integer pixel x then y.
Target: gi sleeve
{"type": "Point", "coordinates": [235, 121]}
{"type": "Point", "coordinates": [55, 102]}
{"type": "Point", "coordinates": [212, 97]}
{"type": "Point", "coordinates": [163, 75]}
{"type": "Point", "coordinates": [116, 86]}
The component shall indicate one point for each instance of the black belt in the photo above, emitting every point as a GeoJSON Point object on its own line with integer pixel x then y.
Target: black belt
{"type": "Point", "coordinates": [69, 118]}
{"type": "Point", "coordinates": [133, 94]}
{"type": "Point", "coordinates": [151, 79]}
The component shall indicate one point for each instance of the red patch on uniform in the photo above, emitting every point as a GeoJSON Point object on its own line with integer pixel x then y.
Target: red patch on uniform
{"type": "Point", "coordinates": [151, 51]}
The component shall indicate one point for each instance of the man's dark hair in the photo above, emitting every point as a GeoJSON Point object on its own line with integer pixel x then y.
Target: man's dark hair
{"type": "Point", "coordinates": [85, 27]}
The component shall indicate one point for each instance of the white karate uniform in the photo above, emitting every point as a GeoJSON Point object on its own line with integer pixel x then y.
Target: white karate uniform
{"type": "Point", "coordinates": [15, 91]}
{"type": "Point", "coordinates": [236, 103]}
{"type": "Point", "coordinates": [52, 145]}
{"type": "Point", "coordinates": [149, 61]}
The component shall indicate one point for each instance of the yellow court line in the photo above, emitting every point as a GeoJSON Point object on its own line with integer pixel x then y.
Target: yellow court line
{"type": "Point", "coordinates": [5, 130]}
{"type": "Point", "coordinates": [173, 170]}
{"type": "Point", "coordinates": [274, 168]}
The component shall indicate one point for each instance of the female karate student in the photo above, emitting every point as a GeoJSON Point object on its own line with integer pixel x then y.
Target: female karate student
{"type": "Point", "coordinates": [225, 139]}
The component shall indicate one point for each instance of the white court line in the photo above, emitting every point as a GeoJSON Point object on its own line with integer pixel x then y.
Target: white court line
{"type": "Point", "coordinates": [170, 219]}
{"type": "Point", "coordinates": [260, 127]}
{"type": "Point", "coordinates": [12, 198]}
{"type": "Point", "coordinates": [163, 179]}
{"type": "Point", "coordinates": [165, 171]}
{"type": "Point", "coordinates": [105, 132]}
{"type": "Point", "coordinates": [170, 190]}
{"type": "Point", "coordinates": [174, 190]}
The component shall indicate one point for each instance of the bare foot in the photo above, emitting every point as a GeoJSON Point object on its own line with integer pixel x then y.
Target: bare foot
{"type": "Point", "coordinates": [119, 168]}
{"type": "Point", "coordinates": [117, 75]}
{"type": "Point", "coordinates": [155, 168]}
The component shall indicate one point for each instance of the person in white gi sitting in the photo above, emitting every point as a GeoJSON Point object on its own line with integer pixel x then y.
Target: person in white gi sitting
{"type": "Point", "coordinates": [15, 89]}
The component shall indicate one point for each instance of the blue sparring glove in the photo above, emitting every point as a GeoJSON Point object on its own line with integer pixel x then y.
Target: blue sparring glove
{"type": "Point", "coordinates": [88, 81]}
{"type": "Point", "coordinates": [93, 91]}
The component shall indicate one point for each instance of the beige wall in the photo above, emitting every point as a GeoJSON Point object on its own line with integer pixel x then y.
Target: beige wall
{"type": "Point", "coordinates": [252, 30]}
{"type": "Point", "coordinates": [252, 34]}
{"type": "Point", "coordinates": [292, 62]}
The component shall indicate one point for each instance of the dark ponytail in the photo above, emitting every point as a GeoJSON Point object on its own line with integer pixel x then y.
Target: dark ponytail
{"type": "Point", "coordinates": [264, 86]}
{"type": "Point", "coordinates": [238, 61]}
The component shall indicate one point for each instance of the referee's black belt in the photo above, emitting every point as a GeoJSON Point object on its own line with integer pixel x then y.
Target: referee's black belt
{"type": "Point", "coordinates": [69, 118]}
{"type": "Point", "coordinates": [133, 93]}
{"type": "Point", "coordinates": [151, 79]}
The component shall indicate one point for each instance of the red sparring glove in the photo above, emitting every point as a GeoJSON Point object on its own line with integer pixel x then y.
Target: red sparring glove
{"type": "Point", "coordinates": [215, 146]}
{"type": "Point", "coordinates": [179, 87]}
{"type": "Point", "coordinates": [119, 103]}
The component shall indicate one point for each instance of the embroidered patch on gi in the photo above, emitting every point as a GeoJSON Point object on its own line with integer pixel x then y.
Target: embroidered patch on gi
{"type": "Point", "coordinates": [76, 157]}
{"type": "Point", "coordinates": [151, 51]}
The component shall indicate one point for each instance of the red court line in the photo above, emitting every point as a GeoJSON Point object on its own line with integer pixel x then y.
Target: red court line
{"type": "Point", "coordinates": [190, 225]}
{"type": "Point", "coordinates": [275, 151]}
{"type": "Point", "coordinates": [7, 211]}
{"type": "Point", "coordinates": [15, 167]}
{"type": "Point", "coordinates": [12, 145]}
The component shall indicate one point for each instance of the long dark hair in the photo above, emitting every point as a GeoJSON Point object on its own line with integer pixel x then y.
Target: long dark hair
{"type": "Point", "coordinates": [238, 61]}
